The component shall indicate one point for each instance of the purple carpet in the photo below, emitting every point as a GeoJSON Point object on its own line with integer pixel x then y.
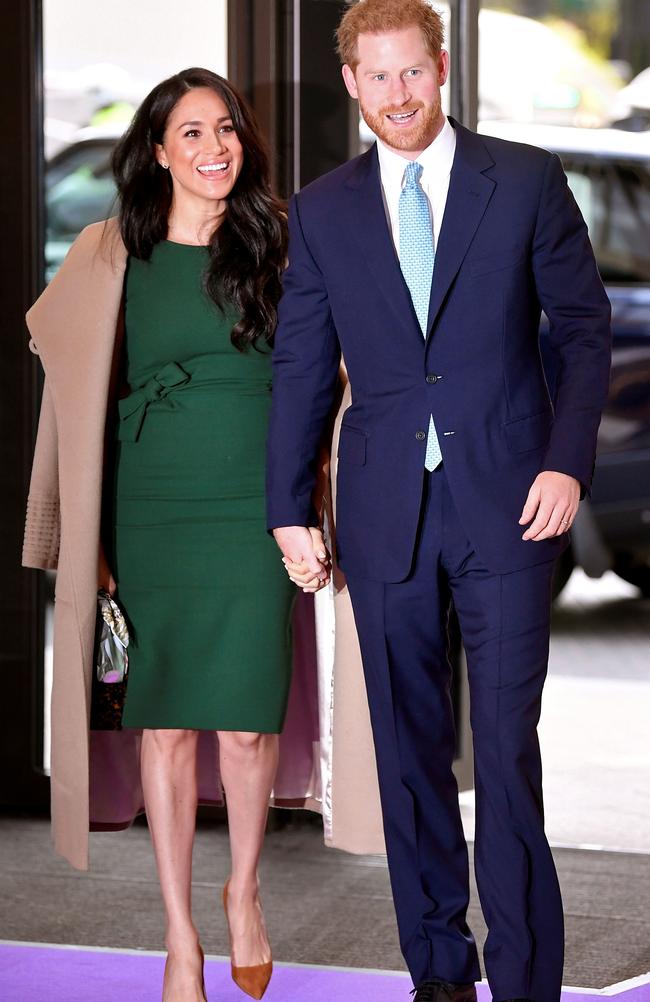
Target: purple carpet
{"type": "Point", "coordinates": [31, 973]}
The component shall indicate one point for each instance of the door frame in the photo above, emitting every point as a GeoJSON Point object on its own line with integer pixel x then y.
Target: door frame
{"type": "Point", "coordinates": [22, 603]}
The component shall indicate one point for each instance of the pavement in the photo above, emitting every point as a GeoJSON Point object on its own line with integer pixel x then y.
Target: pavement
{"type": "Point", "coordinates": [594, 726]}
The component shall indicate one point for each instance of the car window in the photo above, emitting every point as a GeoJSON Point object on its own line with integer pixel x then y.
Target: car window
{"type": "Point", "coordinates": [95, 155]}
{"type": "Point", "coordinates": [79, 190]}
{"type": "Point", "coordinates": [76, 200]}
{"type": "Point", "coordinates": [626, 419]}
{"type": "Point", "coordinates": [614, 198]}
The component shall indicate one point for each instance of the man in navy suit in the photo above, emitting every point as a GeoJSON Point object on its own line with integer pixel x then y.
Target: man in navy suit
{"type": "Point", "coordinates": [427, 262]}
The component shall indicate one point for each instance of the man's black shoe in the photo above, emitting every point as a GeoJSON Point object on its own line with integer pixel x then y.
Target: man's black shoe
{"type": "Point", "coordinates": [443, 991]}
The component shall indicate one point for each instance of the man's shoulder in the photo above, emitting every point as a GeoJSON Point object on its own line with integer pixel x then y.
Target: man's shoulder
{"type": "Point", "coordinates": [512, 152]}
{"type": "Point", "coordinates": [508, 162]}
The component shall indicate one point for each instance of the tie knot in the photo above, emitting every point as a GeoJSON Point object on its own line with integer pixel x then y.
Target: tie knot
{"type": "Point", "coordinates": [413, 174]}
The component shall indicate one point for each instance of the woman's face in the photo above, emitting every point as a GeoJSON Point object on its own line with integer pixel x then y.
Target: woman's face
{"type": "Point", "coordinates": [201, 147]}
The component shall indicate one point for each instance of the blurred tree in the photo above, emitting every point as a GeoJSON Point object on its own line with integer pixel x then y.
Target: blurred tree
{"type": "Point", "coordinates": [598, 19]}
{"type": "Point", "coordinates": [530, 8]}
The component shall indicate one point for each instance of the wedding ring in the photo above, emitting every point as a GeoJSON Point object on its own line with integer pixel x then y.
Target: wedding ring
{"type": "Point", "coordinates": [565, 521]}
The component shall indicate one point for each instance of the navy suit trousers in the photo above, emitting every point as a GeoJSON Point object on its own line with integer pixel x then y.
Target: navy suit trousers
{"type": "Point", "coordinates": [505, 623]}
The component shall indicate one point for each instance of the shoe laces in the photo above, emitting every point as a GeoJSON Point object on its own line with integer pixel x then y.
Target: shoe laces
{"type": "Point", "coordinates": [428, 992]}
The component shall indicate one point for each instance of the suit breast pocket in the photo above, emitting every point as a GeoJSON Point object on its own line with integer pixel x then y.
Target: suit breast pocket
{"type": "Point", "coordinates": [494, 262]}
{"type": "Point", "coordinates": [352, 446]}
{"type": "Point", "coordinates": [528, 433]}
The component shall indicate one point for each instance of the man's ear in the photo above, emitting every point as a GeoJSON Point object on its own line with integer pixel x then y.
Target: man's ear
{"type": "Point", "coordinates": [350, 81]}
{"type": "Point", "coordinates": [443, 67]}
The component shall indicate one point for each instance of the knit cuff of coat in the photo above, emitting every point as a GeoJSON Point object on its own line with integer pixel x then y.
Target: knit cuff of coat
{"type": "Point", "coordinates": [42, 532]}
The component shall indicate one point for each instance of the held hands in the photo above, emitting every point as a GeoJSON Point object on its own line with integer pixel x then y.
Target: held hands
{"type": "Point", "coordinates": [551, 506]}
{"type": "Point", "coordinates": [304, 556]}
{"type": "Point", "coordinates": [550, 509]}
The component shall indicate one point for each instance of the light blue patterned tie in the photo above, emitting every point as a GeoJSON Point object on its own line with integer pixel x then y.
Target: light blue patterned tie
{"type": "Point", "coordinates": [416, 256]}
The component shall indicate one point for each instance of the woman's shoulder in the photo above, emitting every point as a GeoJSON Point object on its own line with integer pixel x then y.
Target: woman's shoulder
{"type": "Point", "coordinates": [102, 237]}
{"type": "Point", "coordinates": [94, 232]}
{"type": "Point", "coordinates": [98, 246]}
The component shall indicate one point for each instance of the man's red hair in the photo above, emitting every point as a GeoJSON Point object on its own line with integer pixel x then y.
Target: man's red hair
{"type": "Point", "coordinates": [374, 17]}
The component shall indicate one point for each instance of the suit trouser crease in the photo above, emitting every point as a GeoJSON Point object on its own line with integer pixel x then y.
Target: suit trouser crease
{"type": "Point", "coordinates": [505, 623]}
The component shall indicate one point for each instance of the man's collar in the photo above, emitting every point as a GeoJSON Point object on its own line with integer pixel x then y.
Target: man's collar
{"type": "Point", "coordinates": [436, 159]}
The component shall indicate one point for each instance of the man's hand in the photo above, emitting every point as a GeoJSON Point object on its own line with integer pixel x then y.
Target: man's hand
{"type": "Point", "coordinates": [304, 556]}
{"type": "Point", "coordinates": [551, 506]}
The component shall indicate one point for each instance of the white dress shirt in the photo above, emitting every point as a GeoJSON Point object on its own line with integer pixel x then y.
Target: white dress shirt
{"type": "Point", "coordinates": [436, 163]}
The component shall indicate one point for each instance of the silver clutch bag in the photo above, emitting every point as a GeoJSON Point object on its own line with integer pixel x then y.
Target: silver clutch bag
{"type": "Point", "coordinates": [111, 657]}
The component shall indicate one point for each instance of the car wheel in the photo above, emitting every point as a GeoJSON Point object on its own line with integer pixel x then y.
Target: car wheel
{"type": "Point", "coordinates": [563, 571]}
{"type": "Point", "coordinates": [635, 570]}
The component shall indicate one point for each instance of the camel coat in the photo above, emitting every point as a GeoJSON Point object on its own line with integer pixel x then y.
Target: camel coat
{"type": "Point", "coordinates": [327, 757]}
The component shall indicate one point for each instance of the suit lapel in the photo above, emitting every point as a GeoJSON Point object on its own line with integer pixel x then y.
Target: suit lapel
{"type": "Point", "coordinates": [371, 232]}
{"type": "Point", "coordinates": [469, 194]}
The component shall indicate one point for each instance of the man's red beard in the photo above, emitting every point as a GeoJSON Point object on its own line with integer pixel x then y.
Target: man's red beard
{"type": "Point", "coordinates": [420, 135]}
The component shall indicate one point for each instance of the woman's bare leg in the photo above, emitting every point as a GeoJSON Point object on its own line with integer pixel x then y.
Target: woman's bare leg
{"type": "Point", "coordinates": [170, 793]}
{"type": "Point", "coordinates": [248, 763]}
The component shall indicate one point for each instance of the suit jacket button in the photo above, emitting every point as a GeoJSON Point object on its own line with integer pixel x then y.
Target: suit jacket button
{"type": "Point", "coordinates": [431, 378]}
{"type": "Point", "coordinates": [420, 435]}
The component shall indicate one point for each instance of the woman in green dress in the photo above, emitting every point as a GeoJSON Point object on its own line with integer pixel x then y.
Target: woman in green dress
{"type": "Point", "coordinates": [204, 592]}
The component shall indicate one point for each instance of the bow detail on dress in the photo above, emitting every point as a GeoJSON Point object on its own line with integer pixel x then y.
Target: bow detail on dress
{"type": "Point", "coordinates": [133, 409]}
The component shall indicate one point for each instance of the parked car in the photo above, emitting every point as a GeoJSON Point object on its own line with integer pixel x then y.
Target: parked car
{"type": "Point", "coordinates": [79, 190]}
{"type": "Point", "coordinates": [609, 173]}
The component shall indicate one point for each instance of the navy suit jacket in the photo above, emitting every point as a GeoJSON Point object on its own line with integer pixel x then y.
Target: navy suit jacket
{"type": "Point", "coordinates": [513, 242]}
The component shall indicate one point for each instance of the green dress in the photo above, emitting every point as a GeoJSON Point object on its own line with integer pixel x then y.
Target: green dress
{"type": "Point", "coordinates": [202, 585]}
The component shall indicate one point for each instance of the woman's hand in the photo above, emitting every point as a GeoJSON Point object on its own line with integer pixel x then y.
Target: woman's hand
{"type": "Point", "coordinates": [305, 578]}
{"type": "Point", "coordinates": [311, 572]}
{"type": "Point", "coordinates": [304, 555]}
{"type": "Point", "coordinates": [106, 581]}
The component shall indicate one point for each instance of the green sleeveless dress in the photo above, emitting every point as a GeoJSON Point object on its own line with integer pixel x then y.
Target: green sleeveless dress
{"type": "Point", "coordinates": [202, 585]}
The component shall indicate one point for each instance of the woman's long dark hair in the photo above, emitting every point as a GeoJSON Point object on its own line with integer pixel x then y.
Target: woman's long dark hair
{"type": "Point", "coordinates": [248, 250]}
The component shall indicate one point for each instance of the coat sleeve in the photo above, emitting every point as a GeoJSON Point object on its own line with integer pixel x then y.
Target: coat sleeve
{"type": "Point", "coordinates": [306, 361]}
{"type": "Point", "coordinates": [572, 295]}
{"type": "Point", "coordinates": [43, 520]}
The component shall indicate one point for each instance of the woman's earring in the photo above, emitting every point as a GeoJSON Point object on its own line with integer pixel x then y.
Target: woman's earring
{"type": "Point", "coordinates": [165, 166]}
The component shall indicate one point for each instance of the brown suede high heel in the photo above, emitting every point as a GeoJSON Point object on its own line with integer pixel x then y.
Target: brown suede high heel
{"type": "Point", "coordinates": [252, 980]}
